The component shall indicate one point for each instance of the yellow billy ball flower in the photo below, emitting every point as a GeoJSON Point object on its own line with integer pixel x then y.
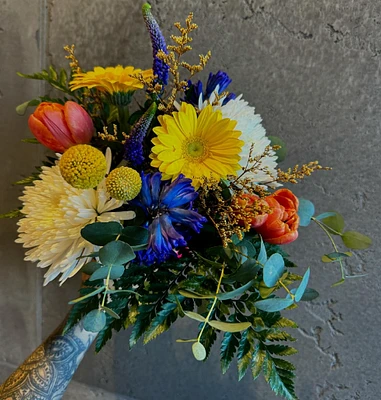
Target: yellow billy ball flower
{"type": "Point", "coordinates": [123, 183]}
{"type": "Point", "coordinates": [83, 166]}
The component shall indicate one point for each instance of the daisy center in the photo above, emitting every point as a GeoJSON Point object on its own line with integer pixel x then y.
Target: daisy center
{"type": "Point", "coordinates": [195, 149]}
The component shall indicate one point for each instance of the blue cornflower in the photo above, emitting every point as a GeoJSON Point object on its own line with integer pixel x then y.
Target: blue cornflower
{"type": "Point", "coordinates": [168, 206]}
{"type": "Point", "coordinates": [220, 79]}
{"type": "Point", "coordinates": [160, 68]}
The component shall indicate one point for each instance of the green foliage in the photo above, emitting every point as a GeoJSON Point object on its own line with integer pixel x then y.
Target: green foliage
{"type": "Point", "coordinates": [273, 270]}
{"type": "Point", "coordinates": [282, 152]}
{"type": "Point", "coordinates": [116, 253]}
{"type": "Point", "coordinates": [101, 233]}
{"type": "Point", "coordinates": [245, 352]}
{"type": "Point", "coordinates": [306, 211]}
{"type": "Point", "coordinates": [56, 79]}
{"type": "Point", "coordinates": [199, 351]}
{"type": "Point", "coordinates": [12, 214]}
{"type": "Point", "coordinates": [94, 321]}
{"type": "Point", "coordinates": [355, 240]}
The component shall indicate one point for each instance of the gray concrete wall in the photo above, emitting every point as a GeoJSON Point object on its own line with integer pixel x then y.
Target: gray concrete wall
{"type": "Point", "coordinates": [312, 69]}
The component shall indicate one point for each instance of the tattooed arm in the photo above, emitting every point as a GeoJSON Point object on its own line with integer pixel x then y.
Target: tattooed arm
{"type": "Point", "coordinates": [46, 373]}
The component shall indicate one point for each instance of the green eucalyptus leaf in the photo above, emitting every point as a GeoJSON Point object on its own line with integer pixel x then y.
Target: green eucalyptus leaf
{"type": "Point", "coordinates": [186, 340]}
{"type": "Point", "coordinates": [195, 316]}
{"type": "Point", "coordinates": [325, 215]}
{"type": "Point", "coordinates": [94, 321]}
{"type": "Point", "coordinates": [100, 273]}
{"type": "Point", "coordinates": [235, 293]}
{"type": "Point", "coordinates": [135, 235]}
{"type": "Point", "coordinates": [334, 223]}
{"type": "Point", "coordinates": [101, 233]}
{"type": "Point", "coordinates": [110, 312]}
{"type": "Point", "coordinates": [303, 285]}
{"type": "Point", "coordinates": [244, 273]}
{"type": "Point", "coordinates": [338, 283]}
{"type": "Point", "coordinates": [335, 256]}
{"type": "Point", "coordinates": [355, 240]}
{"type": "Point", "coordinates": [309, 295]}
{"type": "Point", "coordinates": [306, 211]}
{"type": "Point", "coordinates": [273, 304]}
{"type": "Point", "coordinates": [230, 326]}
{"type": "Point", "coordinates": [116, 253]}
{"type": "Point", "coordinates": [273, 270]}
{"type": "Point", "coordinates": [199, 351]}
{"type": "Point", "coordinates": [262, 256]}
{"type": "Point", "coordinates": [99, 290]}
{"type": "Point", "coordinates": [90, 267]}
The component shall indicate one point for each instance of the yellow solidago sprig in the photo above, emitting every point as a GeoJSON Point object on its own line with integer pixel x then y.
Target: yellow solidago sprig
{"type": "Point", "coordinates": [203, 146]}
{"type": "Point", "coordinates": [83, 166]}
{"type": "Point", "coordinates": [172, 59]}
{"type": "Point", "coordinates": [123, 183]}
{"type": "Point", "coordinates": [119, 82]}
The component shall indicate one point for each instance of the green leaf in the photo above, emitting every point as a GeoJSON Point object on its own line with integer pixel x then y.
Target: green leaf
{"type": "Point", "coordinates": [30, 140]}
{"type": "Point", "coordinates": [90, 267]}
{"type": "Point", "coordinates": [325, 215]}
{"type": "Point", "coordinates": [12, 214]}
{"type": "Point", "coordinates": [116, 253]}
{"type": "Point", "coordinates": [21, 109]}
{"type": "Point", "coordinates": [303, 285]}
{"type": "Point", "coordinates": [210, 262]}
{"type": "Point", "coordinates": [245, 352]}
{"type": "Point", "coordinates": [199, 351]}
{"type": "Point", "coordinates": [110, 312]}
{"type": "Point", "coordinates": [195, 316]}
{"type": "Point", "coordinates": [355, 240]}
{"type": "Point", "coordinates": [282, 152]}
{"type": "Point", "coordinates": [186, 340]}
{"type": "Point", "coordinates": [235, 293]}
{"type": "Point", "coordinates": [306, 211]}
{"type": "Point", "coordinates": [95, 292]}
{"type": "Point", "coordinates": [335, 256]}
{"type": "Point", "coordinates": [63, 77]}
{"type": "Point", "coordinates": [273, 304]}
{"type": "Point", "coordinates": [229, 345]}
{"type": "Point", "coordinates": [259, 357]}
{"type": "Point", "coordinates": [283, 322]}
{"type": "Point", "coordinates": [281, 349]}
{"type": "Point", "coordinates": [192, 295]}
{"type": "Point", "coordinates": [338, 283]}
{"type": "Point", "coordinates": [135, 235]}
{"type": "Point", "coordinates": [280, 380]}
{"type": "Point", "coordinates": [102, 273]}
{"type": "Point", "coordinates": [273, 270]}
{"type": "Point", "coordinates": [246, 272]}
{"type": "Point", "coordinates": [121, 291]}
{"type": "Point", "coordinates": [309, 295]}
{"type": "Point", "coordinates": [335, 223]}
{"type": "Point", "coordinates": [94, 321]}
{"type": "Point", "coordinates": [161, 322]}
{"type": "Point", "coordinates": [262, 257]}
{"type": "Point", "coordinates": [229, 326]}
{"type": "Point", "coordinates": [101, 233]}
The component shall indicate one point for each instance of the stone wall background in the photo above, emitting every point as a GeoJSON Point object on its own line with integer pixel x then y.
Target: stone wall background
{"type": "Point", "coordinates": [312, 69]}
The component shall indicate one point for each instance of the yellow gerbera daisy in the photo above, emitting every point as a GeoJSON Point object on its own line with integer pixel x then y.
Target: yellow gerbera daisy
{"type": "Point", "coordinates": [206, 146]}
{"type": "Point", "coordinates": [111, 79]}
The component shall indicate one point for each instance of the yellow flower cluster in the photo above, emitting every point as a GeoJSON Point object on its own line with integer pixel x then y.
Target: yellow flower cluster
{"type": "Point", "coordinates": [123, 183]}
{"type": "Point", "coordinates": [83, 166]}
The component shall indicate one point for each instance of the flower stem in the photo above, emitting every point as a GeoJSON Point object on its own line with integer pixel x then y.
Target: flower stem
{"type": "Point", "coordinates": [214, 303]}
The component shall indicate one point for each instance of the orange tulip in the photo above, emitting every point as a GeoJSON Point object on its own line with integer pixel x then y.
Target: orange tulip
{"type": "Point", "coordinates": [59, 127]}
{"type": "Point", "coordinates": [280, 227]}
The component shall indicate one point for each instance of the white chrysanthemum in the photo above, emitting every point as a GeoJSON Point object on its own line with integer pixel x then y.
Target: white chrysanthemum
{"type": "Point", "coordinates": [254, 136]}
{"type": "Point", "coordinates": [55, 212]}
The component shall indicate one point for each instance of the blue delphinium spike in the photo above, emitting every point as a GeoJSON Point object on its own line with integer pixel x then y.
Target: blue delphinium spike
{"type": "Point", "coordinates": [158, 43]}
{"type": "Point", "coordinates": [134, 144]}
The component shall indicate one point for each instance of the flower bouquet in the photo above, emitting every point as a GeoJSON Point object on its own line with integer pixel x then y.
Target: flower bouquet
{"type": "Point", "coordinates": [172, 205]}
